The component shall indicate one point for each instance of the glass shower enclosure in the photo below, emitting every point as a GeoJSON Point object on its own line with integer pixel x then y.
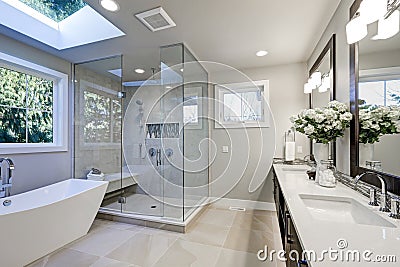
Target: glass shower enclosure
{"type": "Point", "coordinates": [149, 140]}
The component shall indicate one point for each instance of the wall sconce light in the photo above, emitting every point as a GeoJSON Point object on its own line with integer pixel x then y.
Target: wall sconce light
{"type": "Point", "coordinates": [317, 80]}
{"type": "Point", "coordinates": [388, 27]}
{"type": "Point", "coordinates": [326, 83]}
{"type": "Point", "coordinates": [307, 88]}
{"type": "Point", "coordinates": [369, 12]}
{"type": "Point", "coordinates": [356, 30]}
{"type": "Point", "coordinates": [373, 10]}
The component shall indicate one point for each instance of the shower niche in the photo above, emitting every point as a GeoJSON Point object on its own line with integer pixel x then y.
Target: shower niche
{"type": "Point", "coordinates": [162, 130]}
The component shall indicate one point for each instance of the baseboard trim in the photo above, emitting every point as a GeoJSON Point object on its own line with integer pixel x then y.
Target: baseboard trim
{"type": "Point", "coordinates": [248, 204]}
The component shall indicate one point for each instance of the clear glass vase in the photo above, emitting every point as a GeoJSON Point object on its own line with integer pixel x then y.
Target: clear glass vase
{"type": "Point", "coordinates": [326, 173]}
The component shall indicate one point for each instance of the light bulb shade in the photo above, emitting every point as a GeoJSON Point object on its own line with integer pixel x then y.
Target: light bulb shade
{"type": "Point", "coordinates": [356, 30]}
{"type": "Point", "coordinates": [316, 79]}
{"type": "Point", "coordinates": [389, 27]}
{"type": "Point", "coordinates": [372, 10]}
{"type": "Point", "coordinates": [312, 83]}
{"type": "Point", "coordinates": [325, 85]}
{"type": "Point", "coordinates": [307, 88]}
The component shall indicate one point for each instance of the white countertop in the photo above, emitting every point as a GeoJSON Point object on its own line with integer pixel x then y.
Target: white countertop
{"type": "Point", "coordinates": [319, 235]}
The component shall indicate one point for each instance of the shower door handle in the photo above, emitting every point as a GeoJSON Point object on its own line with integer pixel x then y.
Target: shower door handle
{"type": "Point", "coordinates": [158, 157]}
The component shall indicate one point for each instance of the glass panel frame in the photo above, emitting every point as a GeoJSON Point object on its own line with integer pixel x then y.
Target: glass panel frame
{"type": "Point", "coordinates": [93, 82]}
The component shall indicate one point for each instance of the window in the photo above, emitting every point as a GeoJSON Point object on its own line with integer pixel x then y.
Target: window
{"type": "Point", "coordinates": [60, 24]}
{"type": "Point", "coordinates": [33, 107]}
{"type": "Point", "coordinates": [191, 110]}
{"type": "Point", "coordinates": [242, 104]}
{"type": "Point", "coordinates": [380, 93]}
{"type": "Point", "coordinates": [102, 112]}
{"type": "Point", "coordinates": [193, 107]}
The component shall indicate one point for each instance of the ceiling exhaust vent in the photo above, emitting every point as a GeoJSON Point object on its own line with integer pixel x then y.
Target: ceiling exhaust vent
{"type": "Point", "coordinates": [156, 19]}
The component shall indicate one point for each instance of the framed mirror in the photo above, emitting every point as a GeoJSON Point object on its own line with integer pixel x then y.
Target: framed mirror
{"type": "Point", "coordinates": [320, 97]}
{"type": "Point", "coordinates": [375, 103]}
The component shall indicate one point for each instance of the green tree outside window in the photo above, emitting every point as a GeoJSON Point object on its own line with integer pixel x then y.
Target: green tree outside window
{"type": "Point", "coordinates": [57, 10]}
{"type": "Point", "coordinates": [26, 108]}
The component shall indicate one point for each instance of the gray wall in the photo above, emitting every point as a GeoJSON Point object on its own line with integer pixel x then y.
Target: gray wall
{"type": "Point", "coordinates": [338, 25]}
{"type": "Point", "coordinates": [39, 169]}
{"type": "Point", "coordinates": [286, 98]}
{"type": "Point", "coordinates": [382, 59]}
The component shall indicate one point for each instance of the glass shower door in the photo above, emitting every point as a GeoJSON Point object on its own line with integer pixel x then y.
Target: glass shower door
{"type": "Point", "coordinates": [153, 140]}
{"type": "Point", "coordinates": [98, 126]}
{"type": "Point", "coordinates": [172, 138]}
{"type": "Point", "coordinates": [142, 148]}
{"type": "Point", "coordinates": [196, 133]}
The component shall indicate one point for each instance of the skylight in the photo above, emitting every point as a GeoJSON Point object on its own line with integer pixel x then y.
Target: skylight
{"type": "Point", "coordinates": [57, 10]}
{"type": "Point", "coordinates": [61, 24]}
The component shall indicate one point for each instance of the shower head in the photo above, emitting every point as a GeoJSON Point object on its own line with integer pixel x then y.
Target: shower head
{"type": "Point", "coordinates": [139, 102]}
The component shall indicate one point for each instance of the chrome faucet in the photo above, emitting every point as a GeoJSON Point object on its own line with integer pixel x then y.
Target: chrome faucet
{"type": "Point", "coordinates": [382, 205]}
{"type": "Point", "coordinates": [6, 180]}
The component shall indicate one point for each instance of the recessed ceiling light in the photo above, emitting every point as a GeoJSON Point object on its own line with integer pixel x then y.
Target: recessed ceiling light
{"type": "Point", "coordinates": [109, 5]}
{"type": "Point", "coordinates": [140, 71]}
{"type": "Point", "coordinates": [181, 70]}
{"type": "Point", "coordinates": [261, 53]}
{"type": "Point", "coordinates": [168, 87]}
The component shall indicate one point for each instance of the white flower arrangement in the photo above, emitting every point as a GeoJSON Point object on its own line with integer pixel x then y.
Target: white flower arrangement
{"type": "Point", "coordinates": [323, 124]}
{"type": "Point", "coordinates": [378, 121]}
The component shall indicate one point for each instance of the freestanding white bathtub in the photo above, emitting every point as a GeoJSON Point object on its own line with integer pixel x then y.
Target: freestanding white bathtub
{"type": "Point", "coordinates": [41, 221]}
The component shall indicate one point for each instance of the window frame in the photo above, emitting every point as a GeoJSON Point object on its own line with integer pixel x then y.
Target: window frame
{"type": "Point", "coordinates": [60, 107]}
{"type": "Point", "coordinates": [380, 75]}
{"type": "Point", "coordinates": [107, 92]}
{"type": "Point", "coordinates": [220, 90]}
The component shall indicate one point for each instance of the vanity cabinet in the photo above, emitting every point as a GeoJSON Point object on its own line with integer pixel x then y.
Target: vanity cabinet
{"type": "Point", "coordinates": [289, 237]}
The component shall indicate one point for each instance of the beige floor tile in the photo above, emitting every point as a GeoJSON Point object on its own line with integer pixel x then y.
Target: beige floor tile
{"type": "Point", "coordinates": [230, 258]}
{"type": "Point", "coordinates": [222, 218]}
{"type": "Point", "coordinates": [207, 234]}
{"type": "Point", "coordinates": [97, 224]}
{"type": "Point", "coordinates": [136, 228]}
{"type": "Point", "coordinates": [142, 249]}
{"type": "Point", "coordinates": [155, 231]}
{"type": "Point", "coordinates": [102, 241]}
{"type": "Point", "coordinates": [253, 222]}
{"type": "Point", "coordinates": [261, 212]}
{"type": "Point", "coordinates": [278, 242]}
{"type": "Point", "coordinates": [106, 262]}
{"type": "Point", "coordinates": [217, 206]}
{"type": "Point", "coordinates": [188, 254]}
{"type": "Point", "coordinates": [111, 224]}
{"type": "Point", "coordinates": [275, 222]}
{"type": "Point", "coordinates": [66, 258]}
{"type": "Point", "coordinates": [248, 240]}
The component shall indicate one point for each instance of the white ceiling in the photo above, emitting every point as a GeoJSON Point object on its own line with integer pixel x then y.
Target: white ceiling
{"type": "Point", "coordinates": [225, 31]}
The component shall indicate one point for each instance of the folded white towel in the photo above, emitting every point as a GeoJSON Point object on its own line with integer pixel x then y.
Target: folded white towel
{"type": "Point", "coordinates": [95, 177]}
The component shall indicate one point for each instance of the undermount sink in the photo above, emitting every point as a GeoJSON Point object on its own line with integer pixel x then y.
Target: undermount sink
{"type": "Point", "coordinates": [342, 210]}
